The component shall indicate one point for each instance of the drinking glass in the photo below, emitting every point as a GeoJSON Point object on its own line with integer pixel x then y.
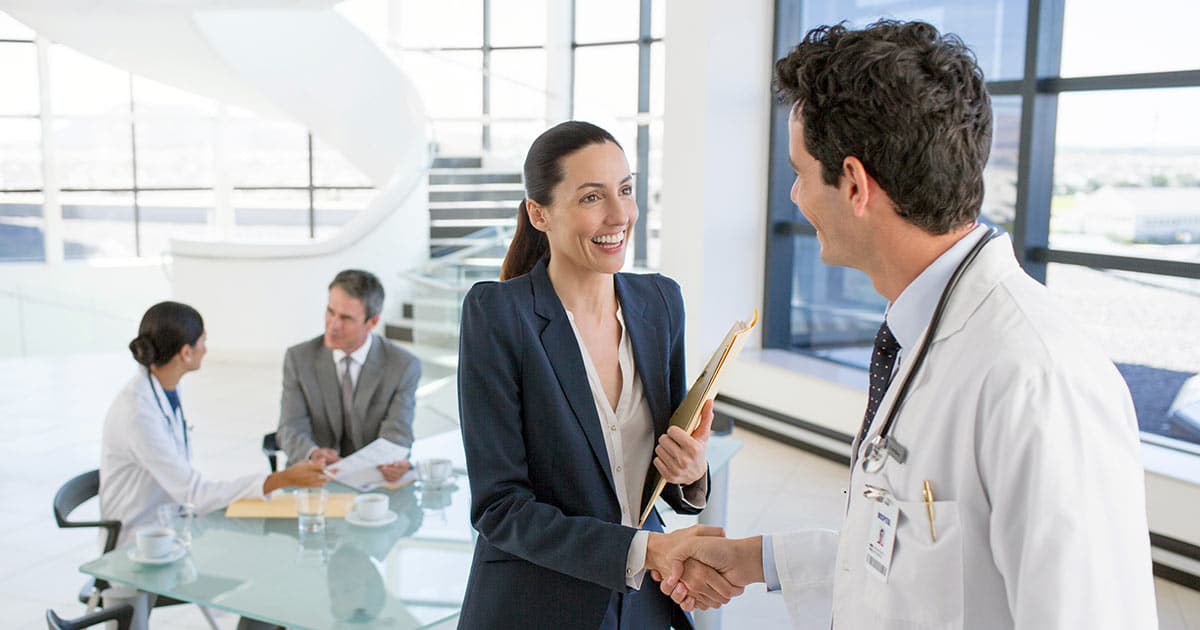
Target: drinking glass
{"type": "Point", "coordinates": [310, 508]}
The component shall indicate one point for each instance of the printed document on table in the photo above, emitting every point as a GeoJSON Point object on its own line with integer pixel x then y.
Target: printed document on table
{"type": "Point", "coordinates": [361, 469]}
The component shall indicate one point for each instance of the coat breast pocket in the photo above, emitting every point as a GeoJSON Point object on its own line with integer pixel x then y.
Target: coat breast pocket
{"type": "Point", "coordinates": [924, 588]}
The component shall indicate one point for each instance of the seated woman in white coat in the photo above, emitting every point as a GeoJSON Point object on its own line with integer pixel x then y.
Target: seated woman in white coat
{"type": "Point", "coordinates": [145, 456]}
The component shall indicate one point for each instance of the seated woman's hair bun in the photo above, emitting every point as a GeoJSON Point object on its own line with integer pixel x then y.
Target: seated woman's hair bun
{"type": "Point", "coordinates": [142, 349]}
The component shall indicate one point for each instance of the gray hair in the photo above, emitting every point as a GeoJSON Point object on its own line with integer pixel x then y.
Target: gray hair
{"type": "Point", "coordinates": [362, 286]}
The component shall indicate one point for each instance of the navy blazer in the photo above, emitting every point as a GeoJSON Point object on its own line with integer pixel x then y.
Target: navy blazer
{"type": "Point", "coordinates": [551, 549]}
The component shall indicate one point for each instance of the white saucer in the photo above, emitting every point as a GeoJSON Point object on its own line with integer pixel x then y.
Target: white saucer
{"type": "Point", "coordinates": [355, 519]}
{"type": "Point", "coordinates": [177, 552]}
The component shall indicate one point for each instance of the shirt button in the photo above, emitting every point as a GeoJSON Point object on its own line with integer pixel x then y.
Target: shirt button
{"type": "Point", "coordinates": [613, 427]}
{"type": "Point", "coordinates": [618, 469]}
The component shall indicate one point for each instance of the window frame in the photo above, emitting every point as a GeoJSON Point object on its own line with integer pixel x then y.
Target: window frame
{"type": "Point", "coordinates": [1038, 91]}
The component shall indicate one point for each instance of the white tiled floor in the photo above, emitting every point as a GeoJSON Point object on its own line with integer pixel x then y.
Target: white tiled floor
{"type": "Point", "coordinates": [52, 410]}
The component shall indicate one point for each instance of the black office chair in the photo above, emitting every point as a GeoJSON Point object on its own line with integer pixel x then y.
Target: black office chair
{"type": "Point", "coordinates": [270, 448]}
{"type": "Point", "coordinates": [71, 495]}
{"type": "Point", "coordinates": [122, 614]}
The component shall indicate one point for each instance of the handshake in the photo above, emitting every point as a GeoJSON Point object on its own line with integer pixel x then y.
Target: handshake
{"type": "Point", "coordinates": [701, 569]}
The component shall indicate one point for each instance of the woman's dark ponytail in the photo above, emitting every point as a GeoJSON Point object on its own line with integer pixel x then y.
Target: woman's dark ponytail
{"type": "Point", "coordinates": [165, 329]}
{"type": "Point", "coordinates": [529, 244]}
{"type": "Point", "coordinates": [543, 171]}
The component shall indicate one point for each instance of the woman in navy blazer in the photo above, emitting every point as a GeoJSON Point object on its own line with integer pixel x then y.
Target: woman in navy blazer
{"type": "Point", "coordinates": [541, 353]}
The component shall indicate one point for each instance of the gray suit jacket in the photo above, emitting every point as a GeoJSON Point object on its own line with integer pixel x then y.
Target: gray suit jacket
{"type": "Point", "coordinates": [311, 410]}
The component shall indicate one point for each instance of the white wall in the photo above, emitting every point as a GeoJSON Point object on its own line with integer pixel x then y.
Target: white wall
{"type": "Point", "coordinates": [716, 126]}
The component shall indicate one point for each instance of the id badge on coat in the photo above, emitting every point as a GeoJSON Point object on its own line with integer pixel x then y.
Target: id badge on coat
{"type": "Point", "coordinates": [881, 536]}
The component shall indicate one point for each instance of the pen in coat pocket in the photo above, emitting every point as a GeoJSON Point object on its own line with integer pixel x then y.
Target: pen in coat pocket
{"type": "Point", "coordinates": [927, 494]}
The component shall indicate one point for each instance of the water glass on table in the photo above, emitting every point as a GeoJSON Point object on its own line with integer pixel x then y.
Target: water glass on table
{"type": "Point", "coordinates": [180, 518]}
{"type": "Point", "coordinates": [310, 508]}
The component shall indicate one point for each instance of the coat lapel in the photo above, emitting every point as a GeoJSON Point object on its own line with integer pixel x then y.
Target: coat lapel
{"type": "Point", "coordinates": [368, 380]}
{"type": "Point", "coordinates": [327, 382]}
{"type": "Point", "coordinates": [648, 356]}
{"type": "Point", "coordinates": [562, 350]}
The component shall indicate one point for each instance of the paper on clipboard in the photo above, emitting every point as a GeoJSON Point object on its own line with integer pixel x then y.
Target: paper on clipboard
{"type": "Point", "coordinates": [705, 387]}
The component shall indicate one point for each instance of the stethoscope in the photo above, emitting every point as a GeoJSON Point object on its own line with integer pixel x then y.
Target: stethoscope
{"type": "Point", "coordinates": [883, 445]}
{"type": "Point", "coordinates": [182, 418]}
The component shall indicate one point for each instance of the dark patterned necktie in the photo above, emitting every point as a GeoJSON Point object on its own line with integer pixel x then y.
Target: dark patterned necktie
{"type": "Point", "coordinates": [347, 445]}
{"type": "Point", "coordinates": [883, 360]}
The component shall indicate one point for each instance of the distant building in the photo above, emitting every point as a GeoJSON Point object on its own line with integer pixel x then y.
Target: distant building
{"type": "Point", "coordinates": [1142, 215]}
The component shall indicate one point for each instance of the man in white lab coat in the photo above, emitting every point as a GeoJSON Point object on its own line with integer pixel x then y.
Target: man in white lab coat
{"type": "Point", "coordinates": [1005, 489]}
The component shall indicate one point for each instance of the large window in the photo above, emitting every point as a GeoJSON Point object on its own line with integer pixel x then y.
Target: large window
{"type": "Point", "coordinates": [1093, 171]}
{"type": "Point", "coordinates": [486, 70]}
{"type": "Point", "coordinates": [122, 163]}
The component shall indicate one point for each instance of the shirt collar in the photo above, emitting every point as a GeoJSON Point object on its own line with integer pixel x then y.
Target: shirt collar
{"type": "Point", "coordinates": [358, 356]}
{"type": "Point", "coordinates": [909, 315]}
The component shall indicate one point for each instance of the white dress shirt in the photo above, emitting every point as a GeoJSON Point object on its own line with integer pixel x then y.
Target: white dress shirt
{"type": "Point", "coordinates": [629, 439]}
{"type": "Point", "coordinates": [357, 359]}
{"type": "Point", "coordinates": [145, 461]}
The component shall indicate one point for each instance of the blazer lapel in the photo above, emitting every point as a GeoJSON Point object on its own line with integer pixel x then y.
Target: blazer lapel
{"type": "Point", "coordinates": [562, 349]}
{"type": "Point", "coordinates": [648, 356]}
{"type": "Point", "coordinates": [368, 380]}
{"type": "Point", "coordinates": [331, 391]}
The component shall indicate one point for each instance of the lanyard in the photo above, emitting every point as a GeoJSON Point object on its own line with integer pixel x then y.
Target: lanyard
{"type": "Point", "coordinates": [182, 418]}
{"type": "Point", "coordinates": [883, 444]}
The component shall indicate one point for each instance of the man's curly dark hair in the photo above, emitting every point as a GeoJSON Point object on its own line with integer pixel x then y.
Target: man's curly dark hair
{"type": "Point", "coordinates": [907, 101]}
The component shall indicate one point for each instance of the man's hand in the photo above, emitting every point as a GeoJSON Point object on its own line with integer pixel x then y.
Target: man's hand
{"type": "Point", "coordinates": [706, 587]}
{"type": "Point", "coordinates": [324, 456]}
{"type": "Point", "coordinates": [394, 471]}
{"type": "Point", "coordinates": [302, 475]}
{"type": "Point", "coordinates": [738, 561]}
{"type": "Point", "coordinates": [679, 457]}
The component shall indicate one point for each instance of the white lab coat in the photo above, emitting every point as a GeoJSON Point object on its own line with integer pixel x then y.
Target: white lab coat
{"type": "Point", "coordinates": [144, 462]}
{"type": "Point", "coordinates": [1028, 435]}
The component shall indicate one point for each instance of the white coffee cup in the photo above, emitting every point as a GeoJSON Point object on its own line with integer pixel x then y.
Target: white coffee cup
{"type": "Point", "coordinates": [371, 507]}
{"type": "Point", "coordinates": [435, 472]}
{"type": "Point", "coordinates": [155, 542]}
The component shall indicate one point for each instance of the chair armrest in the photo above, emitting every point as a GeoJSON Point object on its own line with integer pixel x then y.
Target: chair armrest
{"type": "Point", "coordinates": [113, 528]}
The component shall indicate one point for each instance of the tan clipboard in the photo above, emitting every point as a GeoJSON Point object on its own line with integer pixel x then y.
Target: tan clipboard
{"type": "Point", "coordinates": [705, 387]}
{"type": "Point", "coordinates": [283, 505]}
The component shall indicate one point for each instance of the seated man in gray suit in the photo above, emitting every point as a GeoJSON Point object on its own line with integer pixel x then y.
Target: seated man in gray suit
{"type": "Point", "coordinates": [347, 387]}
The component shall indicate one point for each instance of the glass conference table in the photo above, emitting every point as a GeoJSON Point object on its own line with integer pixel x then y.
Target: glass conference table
{"type": "Point", "coordinates": [411, 573]}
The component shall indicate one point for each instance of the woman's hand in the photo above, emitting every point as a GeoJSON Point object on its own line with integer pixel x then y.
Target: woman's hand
{"type": "Point", "coordinates": [679, 457]}
{"type": "Point", "coordinates": [303, 475]}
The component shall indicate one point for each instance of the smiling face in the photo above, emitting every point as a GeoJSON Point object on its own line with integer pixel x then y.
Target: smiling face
{"type": "Point", "coordinates": [593, 211]}
{"type": "Point", "coordinates": [826, 207]}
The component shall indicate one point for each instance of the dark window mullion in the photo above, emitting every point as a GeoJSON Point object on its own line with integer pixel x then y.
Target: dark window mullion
{"type": "Point", "coordinates": [1035, 157]}
{"type": "Point", "coordinates": [1143, 81]}
{"type": "Point", "coordinates": [137, 214]}
{"type": "Point", "coordinates": [486, 106]}
{"type": "Point", "coordinates": [312, 210]}
{"type": "Point", "coordinates": [779, 262]}
{"type": "Point", "coordinates": [640, 231]}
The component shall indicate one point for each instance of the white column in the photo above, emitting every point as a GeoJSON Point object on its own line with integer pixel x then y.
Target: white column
{"type": "Point", "coordinates": [560, 18]}
{"type": "Point", "coordinates": [716, 126]}
{"type": "Point", "coordinates": [52, 238]}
